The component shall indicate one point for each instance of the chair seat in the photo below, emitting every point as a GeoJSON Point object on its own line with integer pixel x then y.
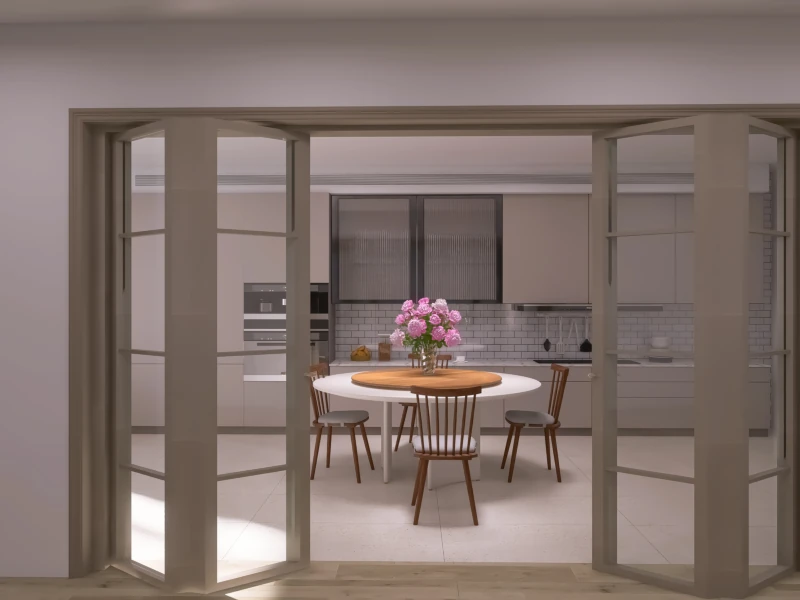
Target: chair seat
{"type": "Point", "coordinates": [529, 417]}
{"type": "Point", "coordinates": [343, 416]}
{"type": "Point", "coordinates": [439, 444]}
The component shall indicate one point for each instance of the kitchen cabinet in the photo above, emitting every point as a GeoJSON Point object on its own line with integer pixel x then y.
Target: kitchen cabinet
{"type": "Point", "coordinates": [147, 393]}
{"type": "Point", "coordinates": [545, 248]}
{"type": "Point", "coordinates": [684, 250]}
{"type": "Point", "coordinates": [646, 264]}
{"type": "Point", "coordinates": [230, 395]}
{"type": "Point", "coordinates": [663, 397]}
{"type": "Point", "coordinates": [264, 403]}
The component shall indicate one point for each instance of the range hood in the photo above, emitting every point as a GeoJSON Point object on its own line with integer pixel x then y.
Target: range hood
{"type": "Point", "coordinates": [584, 307]}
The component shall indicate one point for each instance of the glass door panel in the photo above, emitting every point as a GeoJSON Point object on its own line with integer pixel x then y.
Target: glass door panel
{"type": "Point", "coordinates": [769, 339]}
{"type": "Point", "coordinates": [253, 331]}
{"type": "Point", "coordinates": [139, 401]}
{"type": "Point", "coordinates": [654, 342]}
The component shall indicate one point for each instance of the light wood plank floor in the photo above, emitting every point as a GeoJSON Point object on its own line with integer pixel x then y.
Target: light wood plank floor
{"type": "Point", "coordinates": [390, 581]}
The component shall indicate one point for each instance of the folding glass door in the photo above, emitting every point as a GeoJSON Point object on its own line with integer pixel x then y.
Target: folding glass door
{"type": "Point", "coordinates": [707, 273]}
{"type": "Point", "coordinates": [182, 258]}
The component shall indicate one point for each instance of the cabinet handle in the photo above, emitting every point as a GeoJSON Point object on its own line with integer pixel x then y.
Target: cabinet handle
{"type": "Point", "coordinates": [592, 376]}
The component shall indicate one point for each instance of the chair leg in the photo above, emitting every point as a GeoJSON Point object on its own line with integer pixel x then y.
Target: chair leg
{"type": "Point", "coordinates": [328, 460]}
{"type": "Point", "coordinates": [355, 452]}
{"type": "Point", "coordinates": [400, 433]}
{"type": "Point", "coordinates": [555, 455]}
{"type": "Point", "coordinates": [518, 430]}
{"type": "Point", "coordinates": [416, 483]}
{"type": "Point", "coordinates": [423, 474]}
{"type": "Point", "coordinates": [547, 446]}
{"type": "Point", "coordinates": [468, 479]}
{"type": "Point", "coordinates": [508, 445]}
{"type": "Point", "coordinates": [366, 445]}
{"type": "Point", "coordinates": [316, 452]}
{"type": "Point", "coordinates": [413, 422]}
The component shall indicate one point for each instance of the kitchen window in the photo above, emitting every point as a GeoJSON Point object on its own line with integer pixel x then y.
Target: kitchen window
{"type": "Point", "coordinates": [391, 248]}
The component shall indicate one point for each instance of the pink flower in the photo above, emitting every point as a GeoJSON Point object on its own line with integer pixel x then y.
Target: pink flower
{"type": "Point", "coordinates": [425, 300]}
{"type": "Point", "coordinates": [416, 327]}
{"type": "Point", "coordinates": [438, 333]}
{"type": "Point", "coordinates": [435, 319]}
{"type": "Point", "coordinates": [455, 316]}
{"type": "Point", "coordinates": [440, 305]}
{"type": "Point", "coordinates": [407, 305]}
{"type": "Point", "coordinates": [452, 338]}
{"type": "Point", "coordinates": [400, 319]}
{"type": "Point", "coordinates": [397, 338]}
{"type": "Point", "coordinates": [425, 309]}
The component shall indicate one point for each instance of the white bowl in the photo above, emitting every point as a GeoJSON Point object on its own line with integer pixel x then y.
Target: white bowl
{"type": "Point", "coordinates": [659, 342]}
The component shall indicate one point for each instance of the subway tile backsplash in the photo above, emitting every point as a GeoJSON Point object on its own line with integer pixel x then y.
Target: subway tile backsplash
{"type": "Point", "coordinates": [498, 331]}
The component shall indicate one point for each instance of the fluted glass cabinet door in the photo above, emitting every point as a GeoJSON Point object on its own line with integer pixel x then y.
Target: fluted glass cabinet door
{"type": "Point", "coordinates": [460, 256]}
{"type": "Point", "coordinates": [374, 248]}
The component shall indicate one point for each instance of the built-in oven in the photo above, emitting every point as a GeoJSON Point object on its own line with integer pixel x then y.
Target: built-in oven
{"type": "Point", "coordinates": [265, 364]}
{"type": "Point", "coordinates": [265, 326]}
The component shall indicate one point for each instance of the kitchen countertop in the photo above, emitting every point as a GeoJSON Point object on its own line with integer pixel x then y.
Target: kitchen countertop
{"type": "Point", "coordinates": [506, 362]}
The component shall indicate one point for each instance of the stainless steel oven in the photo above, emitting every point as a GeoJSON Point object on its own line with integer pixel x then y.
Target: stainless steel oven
{"type": "Point", "coordinates": [265, 326]}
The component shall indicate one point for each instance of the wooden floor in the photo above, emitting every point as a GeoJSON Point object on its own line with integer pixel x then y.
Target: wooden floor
{"type": "Point", "coordinates": [389, 581]}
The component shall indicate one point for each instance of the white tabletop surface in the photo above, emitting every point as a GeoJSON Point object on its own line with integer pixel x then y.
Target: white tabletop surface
{"type": "Point", "coordinates": [342, 385]}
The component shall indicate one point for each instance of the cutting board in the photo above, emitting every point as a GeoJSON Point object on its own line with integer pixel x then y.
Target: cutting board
{"type": "Point", "coordinates": [442, 379]}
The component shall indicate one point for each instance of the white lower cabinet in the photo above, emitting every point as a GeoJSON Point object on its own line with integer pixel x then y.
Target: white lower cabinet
{"type": "Point", "coordinates": [230, 395]}
{"type": "Point", "coordinates": [265, 403]}
{"type": "Point", "coordinates": [147, 394]}
{"type": "Point", "coordinates": [663, 397]}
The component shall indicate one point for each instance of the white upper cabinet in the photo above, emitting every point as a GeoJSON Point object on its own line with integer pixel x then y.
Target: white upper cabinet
{"type": "Point", "coordinates": [684, 249]}
{"type": "Point", "coordinates": [545, 248]}
{"type": "Point", "coordinates": [646, 264]}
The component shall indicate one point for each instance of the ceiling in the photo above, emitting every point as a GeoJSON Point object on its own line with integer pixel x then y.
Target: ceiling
{"type": "Point", "coordinates": [74, 11]}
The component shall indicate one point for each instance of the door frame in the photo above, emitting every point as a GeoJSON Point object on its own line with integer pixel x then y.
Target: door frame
{"type": "Point", "coordinates": [91, 241]}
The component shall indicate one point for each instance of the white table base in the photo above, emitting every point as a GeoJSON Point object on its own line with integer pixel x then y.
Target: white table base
{"type": "Point", "coordinates": [439, 472]}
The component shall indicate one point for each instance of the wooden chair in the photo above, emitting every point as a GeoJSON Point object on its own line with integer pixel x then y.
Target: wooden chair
{"type": "Point", "coordinates": [324, 417]}
{"type": "Point", "coordinates": [442, 362]}
{"type": "Point", "coordinates": [518, 419]}
{"type": "Point", "coordinates": [435, 442]}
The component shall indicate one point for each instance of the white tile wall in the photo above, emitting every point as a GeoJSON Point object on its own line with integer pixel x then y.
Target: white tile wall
{"type": "Point", "coordinates": [497, 331]}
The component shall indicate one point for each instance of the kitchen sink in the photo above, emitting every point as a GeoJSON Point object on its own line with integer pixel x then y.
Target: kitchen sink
{"type": "Point", "coordinates": [581, 361]}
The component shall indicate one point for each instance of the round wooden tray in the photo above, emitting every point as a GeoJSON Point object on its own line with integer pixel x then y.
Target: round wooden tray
{"type": "Point", "coordinates": [442, 379]}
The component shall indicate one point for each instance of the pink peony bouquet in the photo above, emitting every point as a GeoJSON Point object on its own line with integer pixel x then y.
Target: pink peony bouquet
{"type": "Point", "coordinates": [426, 325]}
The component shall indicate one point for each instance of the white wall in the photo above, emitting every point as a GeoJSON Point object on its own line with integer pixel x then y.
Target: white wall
{"type": "Point", "coordinates": [45, 71]}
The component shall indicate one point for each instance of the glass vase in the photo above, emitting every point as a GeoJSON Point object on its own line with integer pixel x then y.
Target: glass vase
{"type": "Point", "coordinates": [428, 359]}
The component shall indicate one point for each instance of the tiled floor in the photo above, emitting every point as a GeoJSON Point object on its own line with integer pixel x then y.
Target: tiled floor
{"type": "Point", "coordinates": [534, 519]}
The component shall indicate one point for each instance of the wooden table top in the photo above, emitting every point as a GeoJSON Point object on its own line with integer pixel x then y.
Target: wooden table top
{"type": "Point", "coordinates": [442, 379]}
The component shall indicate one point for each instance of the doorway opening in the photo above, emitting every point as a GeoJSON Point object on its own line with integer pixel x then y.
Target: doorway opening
{"type": "Point", "coordinates": [651, 265]}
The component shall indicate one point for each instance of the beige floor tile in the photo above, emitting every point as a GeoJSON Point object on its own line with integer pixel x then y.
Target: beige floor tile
{"type": "Point", "coordinates": [376, 542]}
{"type": "Point", "coordinates": [538, 544]}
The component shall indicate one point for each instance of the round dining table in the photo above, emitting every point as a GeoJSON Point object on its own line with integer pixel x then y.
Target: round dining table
{"type": "Point", "coordinates": [342, 385]}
